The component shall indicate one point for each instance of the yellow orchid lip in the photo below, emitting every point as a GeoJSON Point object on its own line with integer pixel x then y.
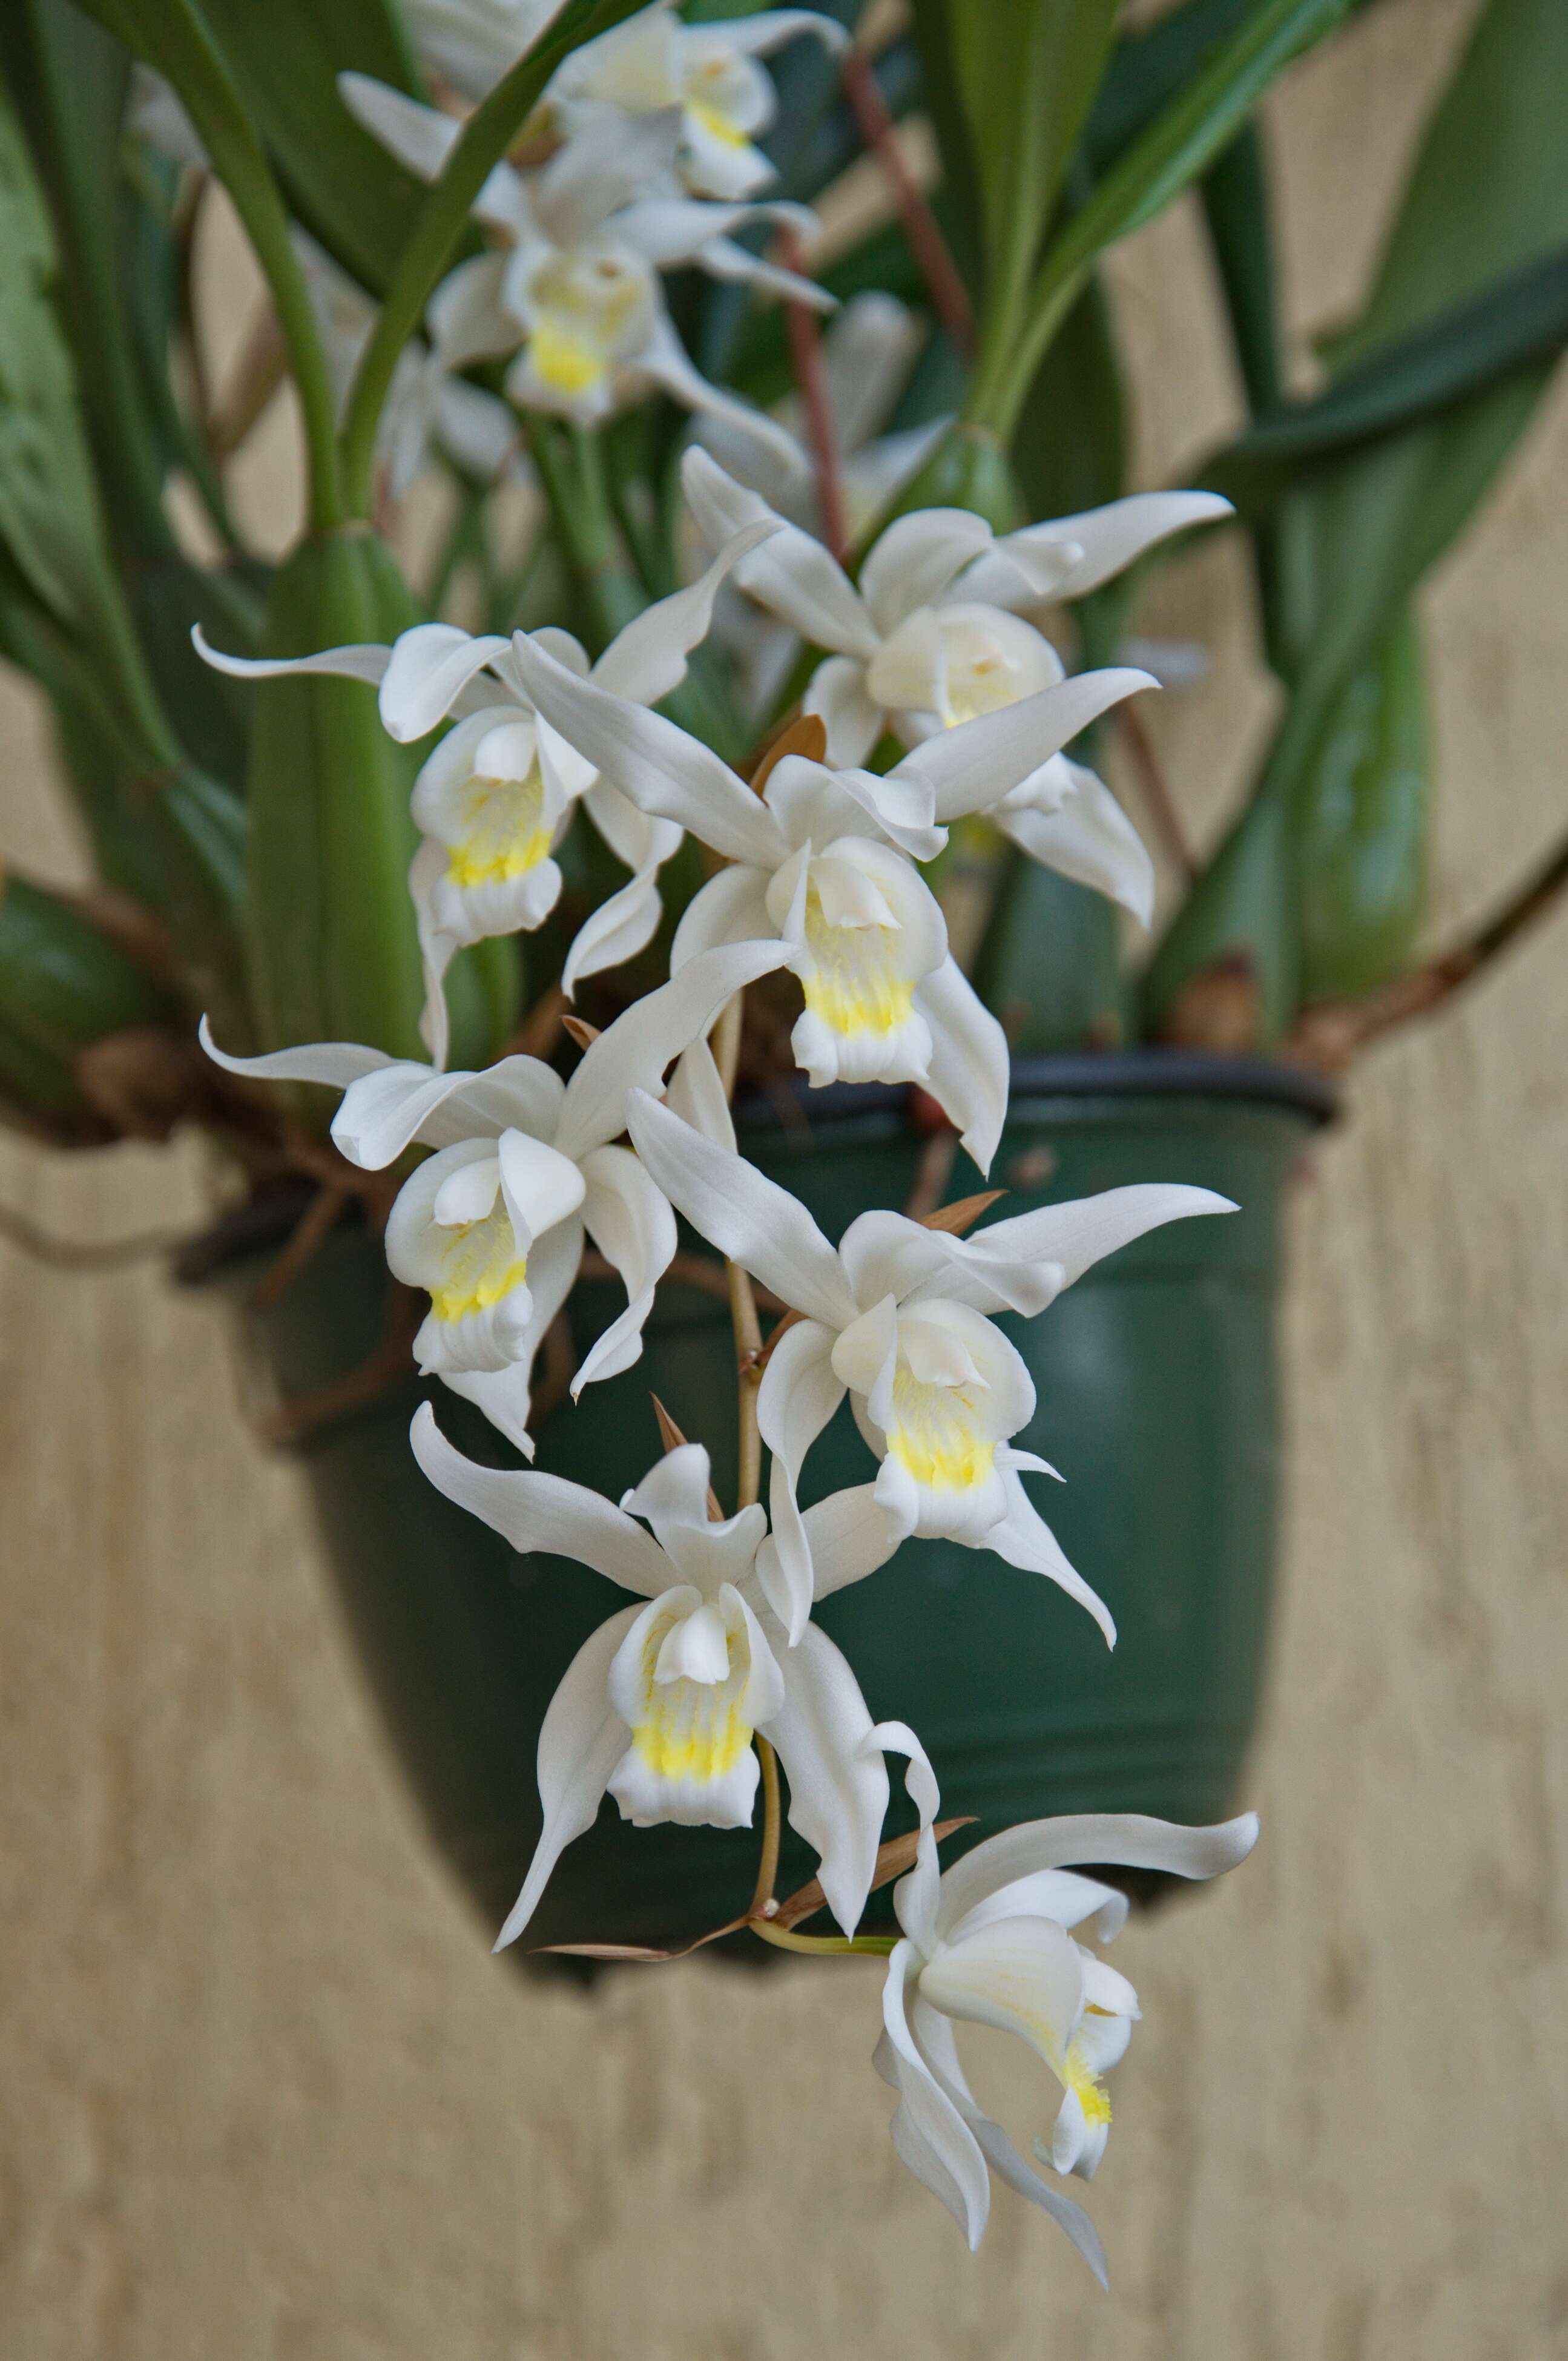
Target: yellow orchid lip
{"type": "Point", "coordinates": [563, 362]}
{"type": "Point", "coordinates": [677, 1745]}
{"type": "Point", "coordinates": [468, 866]}
{"type": "Point", "coordinates": [933, 1439]}
{"type": "Point", "coordinates": [716, 125]}
{"type": "Point", "coordinates": [481, 1295]}
{"type": "Point", "coordinates": [852, 985]}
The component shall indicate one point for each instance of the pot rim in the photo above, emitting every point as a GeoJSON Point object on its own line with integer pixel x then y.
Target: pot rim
{"type": "Point", "coordinates": [1072, 1073]}
{"type": "Point", "coordinates": [263, 1222]}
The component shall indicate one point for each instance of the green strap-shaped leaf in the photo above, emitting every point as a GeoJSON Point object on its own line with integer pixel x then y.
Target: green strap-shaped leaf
{"type": "Point", "coordinates": [1518, 320]}
{"type": "Point", "coordinates": [1049, 969]}
{"type": "Point", "coordinates": [63, 983]}
{"type": "Point", "coordinates": [1488, 198]}
{"type": "Point", "coordinates": [1178, 144]}
{"type": "Point", "coordinates": [1361, 845]}
{"type": "Point", "coordinates": [286, 56]}
{"type": "Point", "coordinates": [1025, 71]}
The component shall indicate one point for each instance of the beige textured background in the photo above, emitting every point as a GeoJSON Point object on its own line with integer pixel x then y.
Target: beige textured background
{"type": "Point", "coordinates": [266, 2095]}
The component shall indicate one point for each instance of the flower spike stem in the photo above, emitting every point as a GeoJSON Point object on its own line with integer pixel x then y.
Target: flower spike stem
{"type": "Point", "coordinates": [749, 1479]}
{"type": "Point", "coordinates": [871, 1947]}
{"type": "Point", "coordinates": [768, 1867]}
{"type": "Point", "coordinates": [944, 283]}
{"type": "Point", "coordinates": [806, 350]}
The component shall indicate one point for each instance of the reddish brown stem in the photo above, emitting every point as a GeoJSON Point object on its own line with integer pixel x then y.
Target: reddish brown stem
{"type": "Point", "coordinates": [805, 349]}
{"type": "Point", "coordinates": [929, 247]}
{"type": "Point", "coordinates": [1331, 1034]}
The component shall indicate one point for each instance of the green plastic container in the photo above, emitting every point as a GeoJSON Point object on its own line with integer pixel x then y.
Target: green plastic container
{"type": "Point", "coordinates": [1157, 1400]}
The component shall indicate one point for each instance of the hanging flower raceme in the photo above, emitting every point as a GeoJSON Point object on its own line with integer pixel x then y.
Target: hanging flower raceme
{"type": "Point", "coordinates": [825, 859]}
{"type": "Point", "coordinates": [496, 797]}
{"type": "Point", "coordinates": [897, 1316]}
{"type": "Point", "coordinates": [659, 1707]}
{"type": "Point", "coordinates": [931, 638]}
{"type": "Point", "coordinates": [989, 1941]}
{"type": "Point", "coordinates": [492, 1225]}
{"type": "Point", "coordinates": [572, 287]}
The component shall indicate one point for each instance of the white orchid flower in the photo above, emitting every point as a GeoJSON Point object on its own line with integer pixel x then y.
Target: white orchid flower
{"type": "Point", "coordinates": [494, 800]}
{"type": "Point", "coordinates": [574, 281]}
{"type": "Point", "coordinates": [897, 1316]}
{"type": "Point", "coordinates": [930, 639]}
{"type": "Point", "coordinates": [492, 1225]}
{"type": "Point", "coordinates": [659, 1707]}
{"type": "Point", "coordinates": [708, 70]}
{"type": "Point", "coordinates": [819, 861]}
{"type": "Point", "coordinates": [989, 1941]}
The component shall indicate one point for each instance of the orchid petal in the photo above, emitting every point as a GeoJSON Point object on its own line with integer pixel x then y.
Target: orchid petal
{"type": "Point", "coordinates": [504, 1396]}
{"type": "Point", "coordinates": [632, 1224]}
{"type": "Point", "coordinates": [973, 766]}
{"type": "Point", "coordinates": [969, 1063]}
{"type": "Point", "coordinates": [748, 1217]}
{"type": "Point", "coordinates": [601, 169]}
{"type": "Point", "coordinates": [1019, 1975]}
{"type": "Point", "coordinates": [849, 1535]}
{"type": "Point", "coordinates": [934, 2033]}
{"type": "Point", "coordinates": [837, 1785]}
{"type": "Point", "coordinates": [798, 1395]}
{"type": "Point", "coordinates": [664, 359]}
{"type": "Point", "coordinates": [581, 1739]}
{"type": "Point", "coordinates": [730, 908]}
{"type": "Point", "coordinates": [1060, 1893]}
{"type": "Point", "coordinates": [1024, 1263]}
{"type": "Point", "coordinates": [469, 321]}
{"type": "Point", "coordinates": [647, 658]}
{"type": "Point", "coordinates": [418, 136]}
{"type": "Point", "coordinates": [837, 693]}
{"type": "Point", "coordinates": [697, 1095]}
{"type": "Point", "coordinates": [366, 662]}
{"type": "Point", "coordinates": [1087, 837]}
{"type": "Point", "coordinates": [633, 1053]}
{"type": "Point", "coordinates": [659, 766]}
{"type": "Point", "coordinates": [791, 575]}
{"type": "Point", "coordinates": [915, 559]}
{"type": "Point", "coordinates": [928, 2132]}
{"type": "Point", "coordinates": [621, 926]}
{"type": "Point", "coordinates": [430, 665]}
{"type": "Point", "coordinates": [1025, 1540]}
{"type": "Point", "coordinates": [726, 258]}
{"type": "Point", "coordinates": [336, 1064]}
{"type": "Point", "coordinates": [1131, 1840]}
{"type": "Point", "coordinates": [1110, 538]}
{"type": "Point", "coordinates": [535, 1512]}
{"type": "Point", "coordinates": [769, 29]}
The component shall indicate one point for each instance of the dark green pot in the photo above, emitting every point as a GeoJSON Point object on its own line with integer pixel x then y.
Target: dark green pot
{"type": "Point", "coordinates": [1157, 1400]}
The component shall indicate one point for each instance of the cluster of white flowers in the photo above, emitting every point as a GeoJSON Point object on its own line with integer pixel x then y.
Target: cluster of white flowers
{"type": "Point", "coordinates": [640, 158]}
{"type": "Point", "coordinates": [645, 159]}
